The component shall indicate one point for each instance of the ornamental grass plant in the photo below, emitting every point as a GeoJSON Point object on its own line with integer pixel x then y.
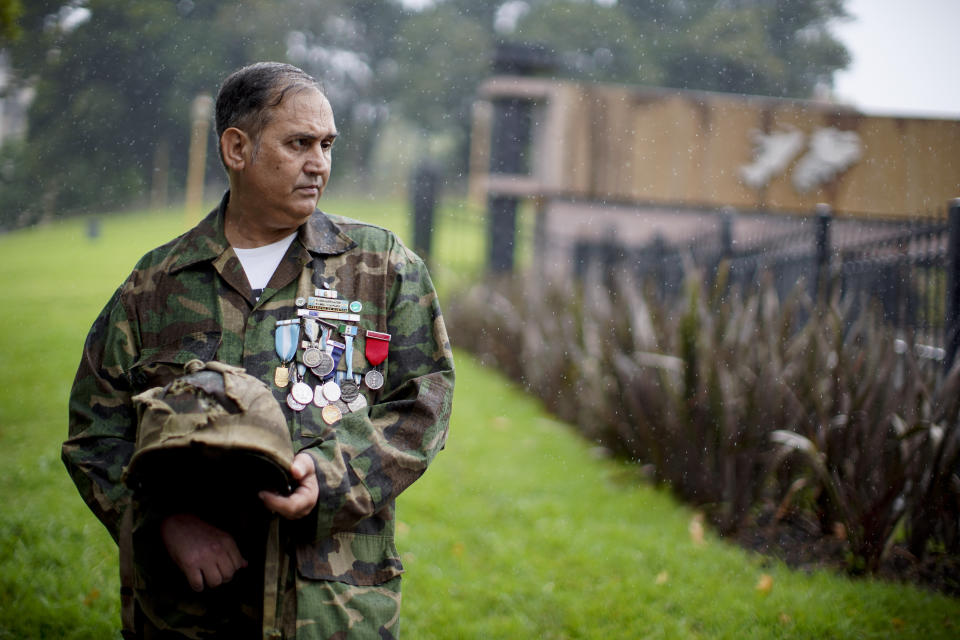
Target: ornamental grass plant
{"type": "Point", "coordinates": [748, 406]}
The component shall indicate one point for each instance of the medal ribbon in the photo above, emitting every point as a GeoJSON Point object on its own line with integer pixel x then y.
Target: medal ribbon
{"type": "Point", "coordinates": [349, 354]}
{"type": "Point", "coordinates": [324, 332]}
{"type": "Point", "coordinates": [311, 329]}
{"type": "Point", "coordinates": [285, 340]}
{"type": "Point", "coordinates": [348, 332]}
{"type": "Point", "coordinates": [336, 354]}
{"type": "Point", "coordinates": [378, 344]}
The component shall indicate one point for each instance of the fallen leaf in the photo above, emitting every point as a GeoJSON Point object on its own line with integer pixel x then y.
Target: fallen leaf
{"type": "Point", "coordinates": [91, 597]}
{"type": "Point", "coordinates": [662, 577]}
{"type": "Point", "coordinates": [765, 583]}
{"type": "Point", "coordinates": [839, 531]}
{"type": "Point", "coordinates": [898, 623]}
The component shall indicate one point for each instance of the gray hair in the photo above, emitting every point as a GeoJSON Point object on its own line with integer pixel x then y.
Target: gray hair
{"type": "Point", "coordinates": [248, 94]}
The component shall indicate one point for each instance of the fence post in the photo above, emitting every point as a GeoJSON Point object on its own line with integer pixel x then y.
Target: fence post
{"type": "Point", "coordinates": [726, 216]}
{"type": "Point", "coordinates": [426, 178]}
{"type": "Point", "coordinates": [952, 319]}
{"type": "Point", "coordinates": [612, 254]}
{"type": "Point", "coordinates": [511, 136]}
{"type": "Point", "coordinates": [726, 232]}
{"type": "Point", "coordinates": [510, 148]}
{"type": "Point", "coordinates": [821, 279]}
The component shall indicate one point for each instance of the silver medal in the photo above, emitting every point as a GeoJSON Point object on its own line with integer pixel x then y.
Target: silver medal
{"type": "Point", "coordinates": [293, 404]}
{"type": "Point", "coordinates": [318, 398]}
{"type": "Point", "coordinates": [359, 403]}
{"type": "Point", "coordinates": [312, 357]}
{"type": "Point", "coordinates": [331, 391]}
{"type": "Point", "coordinates": [349, 390]}
{"type": "Point", "coordinates": [324, 366]}
{"type": "Point", "coordinates": [373, 379]}
{"type": "Point", "coordinates": [302, 392]}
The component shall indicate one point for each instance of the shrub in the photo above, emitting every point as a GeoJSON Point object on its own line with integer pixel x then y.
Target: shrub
{"type": "Point", "coordinates": [740, 401]}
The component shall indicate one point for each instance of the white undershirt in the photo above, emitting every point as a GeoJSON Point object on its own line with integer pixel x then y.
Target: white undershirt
{"type": "Point", "coordinates": [259, 263]}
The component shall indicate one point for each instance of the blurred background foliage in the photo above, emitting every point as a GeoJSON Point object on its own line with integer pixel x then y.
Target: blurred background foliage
{"type": "Point", "coordinates": [112, 80]}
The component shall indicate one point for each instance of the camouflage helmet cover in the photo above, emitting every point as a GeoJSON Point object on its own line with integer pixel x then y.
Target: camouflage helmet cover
{"type": "Point", "coordinates": [215, 423]}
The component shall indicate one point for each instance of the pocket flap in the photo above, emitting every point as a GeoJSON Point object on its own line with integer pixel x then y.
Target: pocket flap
{"type": "Point", "coordinates": [353, 558]}
{"type": "Point", "coordinates": [159, 365]}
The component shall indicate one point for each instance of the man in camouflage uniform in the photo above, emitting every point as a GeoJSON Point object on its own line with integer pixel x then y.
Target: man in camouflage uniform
{"type": "Point", "coordinates": [339, 574]}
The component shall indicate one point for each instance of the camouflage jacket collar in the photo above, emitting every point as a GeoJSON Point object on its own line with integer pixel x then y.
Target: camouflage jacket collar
{"type": "Point", "coordinates": [207, 241]}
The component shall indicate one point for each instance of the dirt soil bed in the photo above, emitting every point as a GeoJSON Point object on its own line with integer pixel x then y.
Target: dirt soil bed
{"type": "Point", "coordinates": [799, 542]}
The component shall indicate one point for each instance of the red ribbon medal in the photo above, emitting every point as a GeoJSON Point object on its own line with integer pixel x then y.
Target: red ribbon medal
{"type": "Point", "coordinates": [376, 348]}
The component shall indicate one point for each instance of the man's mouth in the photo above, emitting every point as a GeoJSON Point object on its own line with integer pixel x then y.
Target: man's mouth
{"type": "Point", "coordinates": [311, 188]}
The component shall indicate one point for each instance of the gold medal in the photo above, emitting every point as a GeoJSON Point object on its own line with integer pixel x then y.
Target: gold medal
{"type": "Point", "coordinates": [281, 376]}
{"type": "Point", "coordinates": [331, 414]}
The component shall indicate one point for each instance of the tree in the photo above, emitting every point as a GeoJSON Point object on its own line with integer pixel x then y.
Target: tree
{"type": "Point", "coordinates": [10, 11]}
{"type": "Point", "coordinates": [114, 80]}
{"type": "Point", "coordinates": [441, 56]}
{"type": "Point", "coordinates": [766, 47]}
{"type": "Point", "coordinates": [597, 43]}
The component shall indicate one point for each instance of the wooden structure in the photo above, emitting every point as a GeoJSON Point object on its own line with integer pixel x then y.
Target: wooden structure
{"type": "Point", "coordinates": [642, 147]}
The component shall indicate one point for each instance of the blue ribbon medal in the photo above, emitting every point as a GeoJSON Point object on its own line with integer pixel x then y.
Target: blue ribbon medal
{"type": "Point", "coordinates": [286, 337]}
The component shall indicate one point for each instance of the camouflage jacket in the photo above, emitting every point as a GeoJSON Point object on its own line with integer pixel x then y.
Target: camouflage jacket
{"type": "Point", "coordinates": [190, 299]}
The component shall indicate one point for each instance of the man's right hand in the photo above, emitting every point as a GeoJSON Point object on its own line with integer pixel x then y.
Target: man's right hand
{"type": "Point", "coordinates": [208, 556]}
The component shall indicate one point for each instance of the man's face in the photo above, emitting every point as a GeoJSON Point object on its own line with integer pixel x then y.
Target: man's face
{"type": "Point", "coordinates": [289, 166]}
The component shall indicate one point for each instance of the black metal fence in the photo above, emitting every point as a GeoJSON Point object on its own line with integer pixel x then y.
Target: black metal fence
{"type": "Point", "coordinates": [908, 270]}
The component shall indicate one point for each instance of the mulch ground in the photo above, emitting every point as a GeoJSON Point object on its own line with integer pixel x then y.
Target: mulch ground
{"type": "Point", "coordinates": [799, 542]}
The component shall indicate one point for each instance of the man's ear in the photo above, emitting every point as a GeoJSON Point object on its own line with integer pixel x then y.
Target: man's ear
{"type": "Point", "coordinates": [236, 147]}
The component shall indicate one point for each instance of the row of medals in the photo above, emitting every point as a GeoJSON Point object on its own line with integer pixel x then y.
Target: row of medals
{"type": "Point", "coordinates": [335, 398]}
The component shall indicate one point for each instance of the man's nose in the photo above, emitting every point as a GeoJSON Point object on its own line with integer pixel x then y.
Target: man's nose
{"type": "Point", "coordinates": [317, 163]}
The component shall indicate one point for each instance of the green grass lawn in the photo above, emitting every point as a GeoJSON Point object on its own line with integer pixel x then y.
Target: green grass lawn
{"type": "Point", "coordinates": [517, 531]}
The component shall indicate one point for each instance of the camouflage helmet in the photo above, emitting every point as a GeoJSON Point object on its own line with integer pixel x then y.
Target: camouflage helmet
{"type": "Point", "coordinates": [215, 427]}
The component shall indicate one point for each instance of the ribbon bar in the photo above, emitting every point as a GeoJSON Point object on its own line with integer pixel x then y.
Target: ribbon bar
{"type": "Point", "coordinates": [326, 304]}
{"type": "Point", "coordinates": [329, 315]}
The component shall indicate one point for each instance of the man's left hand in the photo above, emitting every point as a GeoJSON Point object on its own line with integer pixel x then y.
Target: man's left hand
{"type": "Point", "coordinates": [301, 502]}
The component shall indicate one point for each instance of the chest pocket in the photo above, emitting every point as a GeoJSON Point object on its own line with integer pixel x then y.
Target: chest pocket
{"type": "Point", "coordinates": [159, 365]}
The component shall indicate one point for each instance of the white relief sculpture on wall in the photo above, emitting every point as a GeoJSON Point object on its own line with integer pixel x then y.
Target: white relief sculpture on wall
{"type": "Point", "coordinates": [829, 152]}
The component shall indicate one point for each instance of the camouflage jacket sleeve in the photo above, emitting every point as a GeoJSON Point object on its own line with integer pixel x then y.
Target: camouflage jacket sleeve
{"type": "Point", "coordinates": [102, 428]}
{"type": "Point", "coordinates": [374, 455]}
